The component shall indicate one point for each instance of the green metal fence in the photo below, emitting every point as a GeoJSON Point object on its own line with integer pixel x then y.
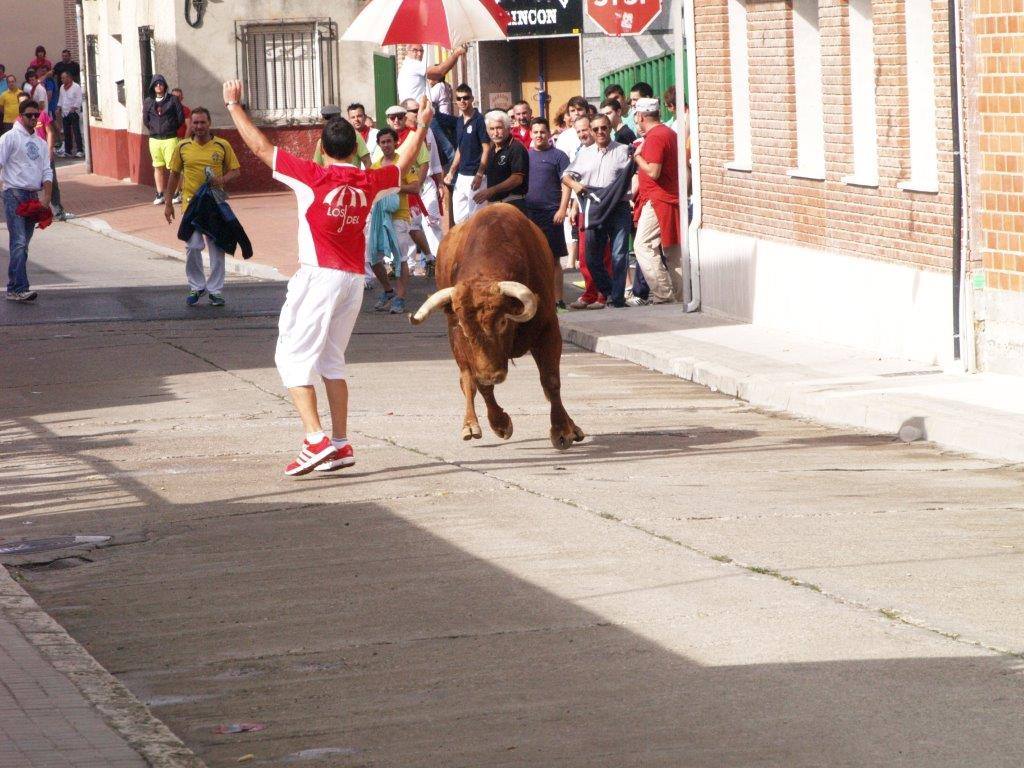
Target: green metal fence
{"type": "Point", "coordinates": [384, 86]}
{"type": "Point", "coordinates": [659, 71]}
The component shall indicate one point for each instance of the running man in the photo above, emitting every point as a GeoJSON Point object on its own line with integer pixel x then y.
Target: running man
{"type": "Point", "coordinates": [325, 295]}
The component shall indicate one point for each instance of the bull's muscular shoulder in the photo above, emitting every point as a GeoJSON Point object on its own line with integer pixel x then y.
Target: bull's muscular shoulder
{"type": "Point", "coordinates": [497, 240]}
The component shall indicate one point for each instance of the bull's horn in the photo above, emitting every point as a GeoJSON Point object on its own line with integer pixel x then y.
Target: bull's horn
{"type": "Point", "coordinates": [527, 297]}
{"type": "Point", "coordinates": [435, 300]}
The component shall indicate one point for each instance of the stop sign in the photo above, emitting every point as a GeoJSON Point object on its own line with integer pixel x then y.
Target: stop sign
{"type": "Point", "coordinates": [623, 17]}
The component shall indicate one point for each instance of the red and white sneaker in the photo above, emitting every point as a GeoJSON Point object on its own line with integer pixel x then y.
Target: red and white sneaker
{"type": "Point", "coordinates": [345, 457]}
{"type": "Point", "coordinates": [310, 457]}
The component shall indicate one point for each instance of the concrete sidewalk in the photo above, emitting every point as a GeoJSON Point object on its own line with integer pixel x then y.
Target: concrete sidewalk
{"type": "Point", "coordinates": [976, 413]}
{"type": "Point", "coordinates": [125, 212]}
{"type": "Point", "coordinates": [61, 709]}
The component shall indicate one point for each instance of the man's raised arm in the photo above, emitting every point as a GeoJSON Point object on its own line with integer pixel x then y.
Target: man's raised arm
{"type": "Point", "coordinates": [252, 136]}
{"type": "Point", "coordinates": [411, 146]}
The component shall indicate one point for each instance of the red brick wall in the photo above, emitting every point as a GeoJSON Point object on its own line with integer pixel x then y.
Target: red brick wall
{"type": "Point", "coordinates": [998, 160]}
{"type": "Point", "coordinates": [120, 154]}
{"type": "Point", "coordinates": [70, 32]}
{"type": "Point", "coordinates": [884, 223]}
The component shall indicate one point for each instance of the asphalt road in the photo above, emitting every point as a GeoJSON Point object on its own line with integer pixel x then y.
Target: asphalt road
{"type": "Point", "coordinates": [696, 584]}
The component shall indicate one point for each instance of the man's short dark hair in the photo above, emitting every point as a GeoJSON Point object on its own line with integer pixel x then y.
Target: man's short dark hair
{"type": "Point", "coordinates": [40, 48]}
{"type": "Point", "coordinates": [464, 88]}
{"type": "Point", "coordinates": [354, 105]}
{"type": "Point", "coordinates": [173, 90]}
{"type": "Point", "coordinates": [644, 89]}
{"type": "Point", "coordinates": [66, 50]}
{"type": "Point", "coordinates": [338, 138]}
{"type": "Point", "coordinates": [541, 121]}
{"type": "Point", "coordinates": [388, 132]}
{"type": "Point", "coordinates": [3, 68]}
{"type": "Point", "coordinates": [28, 104]}
{"type": "Point", "coordinates": [613, 103]}
{"type": "Point", "coordinates": [522, 103]}
{"type": "Point", "coordinates": [613, 88]}
{"type": "Point", "coordinates": [577, 101]}
{"type": "Point", "coordinates": [202, 111]}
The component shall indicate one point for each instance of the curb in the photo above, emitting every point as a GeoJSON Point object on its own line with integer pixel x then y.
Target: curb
{"type": "Point", "coordinates": [989, 434]}
{"type": "Point", "coordinates": [125, 714]}
{"type": "Point", "coordinates": [231, 264]}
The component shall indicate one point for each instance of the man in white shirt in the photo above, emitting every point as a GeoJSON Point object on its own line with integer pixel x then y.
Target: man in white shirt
{"type": "Point", "coordinates": [568, 140]}
{"type": "Point", "coordinates": [413, 74]}
{"type": "Point", "coordinates": [26, 175]}
{"type": "Point", "coordinates": [35, 90]}
{"type": "Point", "coordinates": [69, 110]}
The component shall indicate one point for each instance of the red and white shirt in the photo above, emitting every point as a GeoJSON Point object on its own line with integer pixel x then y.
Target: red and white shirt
{"type": "Point", "coordinates": [334, 205]}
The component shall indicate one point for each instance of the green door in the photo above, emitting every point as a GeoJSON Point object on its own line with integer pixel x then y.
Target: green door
{"type": "Point", "coordinates": [385, 87]}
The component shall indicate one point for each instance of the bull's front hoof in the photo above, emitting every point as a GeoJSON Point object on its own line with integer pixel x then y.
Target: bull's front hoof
{"type": "Point", "coordinates": [471, 432]}
{"type": "Point", "coordinates": [563, 439]}
{"type": "Point", "coordinates": [577, 434]}
{"type": "Point", "coordinates": [502, 426]}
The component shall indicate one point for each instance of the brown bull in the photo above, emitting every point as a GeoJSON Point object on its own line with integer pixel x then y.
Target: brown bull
{"type": "Point", "coordinates": [494, 275]}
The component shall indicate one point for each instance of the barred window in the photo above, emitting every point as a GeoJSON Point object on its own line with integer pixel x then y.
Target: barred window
{"type": "Point", "coordinates": [288, 68]}
{"type": "Point", "coordinates": [93, 92]}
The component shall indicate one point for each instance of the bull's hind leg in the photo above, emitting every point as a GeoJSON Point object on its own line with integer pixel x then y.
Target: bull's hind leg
{"type": "Point", "coordinates": [500, 421]}
{"type": "Point", "coordinates": [470, 425]}
{"type": "Point", "coordinates": [548, 354]}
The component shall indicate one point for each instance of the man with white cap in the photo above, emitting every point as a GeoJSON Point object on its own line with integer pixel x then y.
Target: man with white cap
{"type": "Point", "coordinates": [656, 208]}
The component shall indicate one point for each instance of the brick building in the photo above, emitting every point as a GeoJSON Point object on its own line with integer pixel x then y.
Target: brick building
{"type": "Point", "coordinates": [288, 53]}
{"type": "Point", "coordinates": [825, 177]}
{"type": "Point", "coordinates": [826, 173]}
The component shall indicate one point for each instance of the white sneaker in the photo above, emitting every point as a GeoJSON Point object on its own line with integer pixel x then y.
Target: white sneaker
{"type": "Point", "coordinates": [79, 154]}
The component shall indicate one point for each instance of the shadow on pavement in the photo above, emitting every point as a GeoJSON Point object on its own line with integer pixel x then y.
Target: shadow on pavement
{"type": "Point", "coordinates": [357, 629]}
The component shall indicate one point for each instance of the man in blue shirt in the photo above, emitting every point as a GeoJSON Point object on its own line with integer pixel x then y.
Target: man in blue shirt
{"type": "Point", "coordinates": [472, 153]}
{"type": "Point", "coordinates": [547, 199]}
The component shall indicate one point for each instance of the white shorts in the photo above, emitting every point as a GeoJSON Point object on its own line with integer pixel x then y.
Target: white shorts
{"type": "Point", "coordinates": [316, 322]}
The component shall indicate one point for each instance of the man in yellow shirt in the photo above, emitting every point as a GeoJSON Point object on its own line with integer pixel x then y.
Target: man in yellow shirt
{"type": "Point", "coordinates": [401, 219]}
{"type": "Point", "coordinates": [198, 159]}
{"type": "Point", "coordinates": [9, 103]}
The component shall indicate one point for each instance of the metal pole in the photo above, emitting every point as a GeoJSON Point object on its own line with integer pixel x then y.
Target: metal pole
{"type": "Point", "coordinates": [83, 64]}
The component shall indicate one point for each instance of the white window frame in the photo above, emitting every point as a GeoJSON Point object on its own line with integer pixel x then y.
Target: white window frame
{"type": "Point", "coordinates": [739, 76]}
{"type": "Point", "coordinates": [863, 109]}
{"type": "Point", "coordinates": [921, 110]}
{"type": "Point", "coordinates": [810, 110]}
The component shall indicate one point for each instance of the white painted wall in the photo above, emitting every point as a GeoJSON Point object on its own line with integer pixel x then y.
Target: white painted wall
{"type": "Point", "coordinates": [862, 95]}
{"type": "Point", "coordinates": [921, 97]}
{"type": "Point", "coordinates": [199, 60]}
{"type": "Point", "coordinates": [810, 121]}
{"type": "Point", "coordinates": [891, 309]}
{"type": "Point", "coordinates": [739, 84]}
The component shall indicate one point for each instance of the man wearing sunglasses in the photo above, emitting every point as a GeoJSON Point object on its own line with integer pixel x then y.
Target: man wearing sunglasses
{"type": "Point", "coordinates": [472, 156]}
{"type": "Point", "coordinates": [26, 175]}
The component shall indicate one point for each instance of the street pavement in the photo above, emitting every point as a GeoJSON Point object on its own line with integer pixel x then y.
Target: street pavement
{"type": "Point", "coordinates": [698, 583]}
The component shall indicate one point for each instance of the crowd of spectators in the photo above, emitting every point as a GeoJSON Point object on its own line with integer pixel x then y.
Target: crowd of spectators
{"type": "Point", "coordinates": [600, 180]}
{"type": "Point", "coordinates": [56, 89]}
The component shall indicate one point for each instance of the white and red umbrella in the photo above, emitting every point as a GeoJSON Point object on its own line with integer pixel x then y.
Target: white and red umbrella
{"type": "Point", "coordinates": [448, 23]}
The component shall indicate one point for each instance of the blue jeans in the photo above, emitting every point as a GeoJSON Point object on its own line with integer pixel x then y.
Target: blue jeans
{"type": "Point", "coordinates": [20, 231]}
{"type": "Point", "coordinates": [616, 229]}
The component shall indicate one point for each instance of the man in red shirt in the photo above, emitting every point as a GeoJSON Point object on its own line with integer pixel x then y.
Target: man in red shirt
{"type": "Point", "coordinates": [522, 117]}
{"type": "Point", "coordinates": [656, 207]}
{"type": "Point", "coordinates": [325, 295]}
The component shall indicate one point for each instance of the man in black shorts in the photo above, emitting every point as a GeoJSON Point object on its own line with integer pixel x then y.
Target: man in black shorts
{"type": "Point", "coordinates": [547, 199]}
